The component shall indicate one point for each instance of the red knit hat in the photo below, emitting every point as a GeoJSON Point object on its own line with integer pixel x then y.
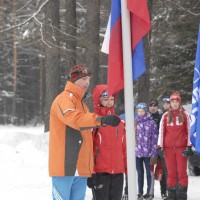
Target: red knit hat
{"type": "Point", "coordinates": [175, 96]}
{"type": "Point", "coordinates": [77, 72]}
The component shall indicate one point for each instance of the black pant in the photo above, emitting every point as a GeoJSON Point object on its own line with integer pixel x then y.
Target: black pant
{"type": "Point", "coordinates": [163, 182]}
{"type": "Point", "coordinates": [110, 187]}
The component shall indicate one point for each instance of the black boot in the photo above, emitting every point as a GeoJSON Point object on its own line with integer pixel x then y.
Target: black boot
{"type": "Point", "coordinates": [181, 192]}
{"type": "Point", "coordinates": [172, 193]}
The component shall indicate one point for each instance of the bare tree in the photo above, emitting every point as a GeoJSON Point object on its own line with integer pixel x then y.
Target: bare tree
{"type": "Point", "coordinates": [70, 21]}
{"type": "Point", "coordinates": [52, 26]}
{"type": "Point", "coordinates": [92, 39]}
{"type": "Point", "coordinates": [144, 80]}
{"type": "Point", "coordinates": [14, 61]}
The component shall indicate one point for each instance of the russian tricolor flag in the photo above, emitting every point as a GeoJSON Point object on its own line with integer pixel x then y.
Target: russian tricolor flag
{"type": "Point", "coordinates": [112, 45]}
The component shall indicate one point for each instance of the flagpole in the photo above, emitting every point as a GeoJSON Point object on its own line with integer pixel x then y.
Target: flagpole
{"type": "Point", "coordinates": [128, 98]}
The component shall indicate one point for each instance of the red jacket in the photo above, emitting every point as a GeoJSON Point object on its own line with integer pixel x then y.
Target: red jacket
{"type": "Point", "coordinates": [175, 134]}
{"type": "Point", "coordinates": [109, 142]}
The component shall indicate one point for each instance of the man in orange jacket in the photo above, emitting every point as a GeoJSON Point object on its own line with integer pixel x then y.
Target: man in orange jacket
{"type": "Point", "coordinates": [70, 139]}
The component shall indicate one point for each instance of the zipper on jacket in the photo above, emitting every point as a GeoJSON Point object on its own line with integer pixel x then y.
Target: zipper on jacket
{"type": "Point", "coordinates": [117, 132]}
{"type": "Point", "coordinates": [96, 154]}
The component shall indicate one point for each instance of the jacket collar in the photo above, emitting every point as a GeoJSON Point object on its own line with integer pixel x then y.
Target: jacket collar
{"type": "Point", "coordinates": [76, 90]}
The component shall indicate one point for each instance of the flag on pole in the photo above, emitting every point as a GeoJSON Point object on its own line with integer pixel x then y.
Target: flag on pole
{"type": "Point", "coordinates": [195, 116]}
{"type": "Point", "coordinates": [112, 45]}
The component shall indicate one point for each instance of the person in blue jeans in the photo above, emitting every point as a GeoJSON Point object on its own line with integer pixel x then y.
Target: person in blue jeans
{"type": "Point", "coordinates": [146, 147]}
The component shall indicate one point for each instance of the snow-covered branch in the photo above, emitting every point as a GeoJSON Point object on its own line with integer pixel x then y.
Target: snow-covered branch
{"type": "Point", "coordinates": [185, 9]}
{"type": "Point", "coordinates": [24, 6]}
{"type": "Point", "coordinates": [41, 27]}
{"type": "Point", "coordinates": [27, 20]}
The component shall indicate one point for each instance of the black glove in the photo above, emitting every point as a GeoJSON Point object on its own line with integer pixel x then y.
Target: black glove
{"type": "Point", "coordinates": [161, 153]}
{"type": "Point", "coordinates": [91, 181]}
{"type": "Point", "coordinates": [111, 120]}
{"type": "Point", "coordinates": [188, 151]}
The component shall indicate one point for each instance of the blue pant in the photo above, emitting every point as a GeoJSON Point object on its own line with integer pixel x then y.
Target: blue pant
{"type": "Point", "coordinates": [140, 172]}
{"type": "Point", "coordinates": [68, 187]}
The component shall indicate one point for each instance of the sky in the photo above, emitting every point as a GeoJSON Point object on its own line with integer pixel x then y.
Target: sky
{"type": "Point", "coordinates": [24, 166]}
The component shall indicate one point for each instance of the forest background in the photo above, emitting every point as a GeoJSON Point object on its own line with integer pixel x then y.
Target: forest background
{"type": "Point", "coordinates": [41, 39]}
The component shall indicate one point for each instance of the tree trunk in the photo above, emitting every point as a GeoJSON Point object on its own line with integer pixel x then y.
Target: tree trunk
{"type": "Point", "coordinates": [93, 41]}
{"type": "Point", "coordinates": [70, 16]}
{"type": "Point", "coordinates": [41, 88]}
{"type": "Point", "coordinates": [52, 25]}
{"type": "Point", "coordinates": [144, 80]}
{"type": "Point", "coordinates": [14, 65]}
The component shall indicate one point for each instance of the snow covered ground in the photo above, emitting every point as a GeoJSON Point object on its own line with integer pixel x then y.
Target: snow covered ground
{"type": "Point", "coordinates": [24, 162]}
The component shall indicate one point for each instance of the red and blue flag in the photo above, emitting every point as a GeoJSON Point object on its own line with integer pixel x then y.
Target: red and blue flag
{"type": "Point", "coordinates": [140, 26]}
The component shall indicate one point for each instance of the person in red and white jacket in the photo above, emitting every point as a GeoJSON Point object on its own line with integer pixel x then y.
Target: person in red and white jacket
{"type": "Point", "coordinates": [174, 144]}
{"type": "Point", "coordinates": [109, 150]}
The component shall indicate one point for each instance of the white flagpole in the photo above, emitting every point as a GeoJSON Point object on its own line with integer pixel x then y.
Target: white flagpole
{"type": "Point", "coordinates": [129, 104]}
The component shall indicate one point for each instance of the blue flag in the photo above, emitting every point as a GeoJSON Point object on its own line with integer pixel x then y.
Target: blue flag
{"type": "Point", "coordinates": [195, 116]}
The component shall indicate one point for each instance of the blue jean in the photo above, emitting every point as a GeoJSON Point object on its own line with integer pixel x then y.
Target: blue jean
{"type": "Point", "coordinates": [68, 187]}
{"type": "Point", "coordinates": [140, 172]}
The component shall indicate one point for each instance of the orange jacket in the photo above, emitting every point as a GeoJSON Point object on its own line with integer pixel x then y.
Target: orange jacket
{"type": "Point", "coordinates": [70, 139]}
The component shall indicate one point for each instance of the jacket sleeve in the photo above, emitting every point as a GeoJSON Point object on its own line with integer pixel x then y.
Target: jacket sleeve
{"type": "Point", "coordinates": [187, 118]}
{"type": "Point", "coordinates": [78, 119]}
{"type": "Point", "coordinates": [96, 144]}
{"type": "Point", "coordinates": [124, 148]}
{"type": "Point", "coordinates": [161, 130]}
{"type": "Point", "coordinates": [154, 139]}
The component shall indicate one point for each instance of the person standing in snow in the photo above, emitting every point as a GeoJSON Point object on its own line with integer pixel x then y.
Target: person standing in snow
{"type": "Point", "coordinates": [174, 143]}
{"type": "Point", "coordinates": [70, 138]}
{"type": "Point", "coordinates": [146, 147]}
{"type": "Point", "coordinates": [109, 150]}
{"type": "Point", "coordinates": [161, 166]}
{"type": "Point", "coordinates": [166, 104]}
{"type": "Point", "coordinates": [153, 109]}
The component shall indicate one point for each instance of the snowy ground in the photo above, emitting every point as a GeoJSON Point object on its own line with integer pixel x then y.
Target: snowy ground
{"type": "Point", "coordinates": [23, 166]}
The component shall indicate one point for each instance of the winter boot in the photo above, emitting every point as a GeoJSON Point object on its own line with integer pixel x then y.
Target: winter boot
{"type": "Point", "coordinates": [164, 196]}
{"type": "Point", "coordinates": [146, 196]}
{"type": "Point", "coordinates": [181, 192]}
{"type": "Point", "coordinates": [172, 193]}
{"type": "Point", "coordinates": [140, 197]}
{"type": "Point", "coordinates": [149, 197]}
